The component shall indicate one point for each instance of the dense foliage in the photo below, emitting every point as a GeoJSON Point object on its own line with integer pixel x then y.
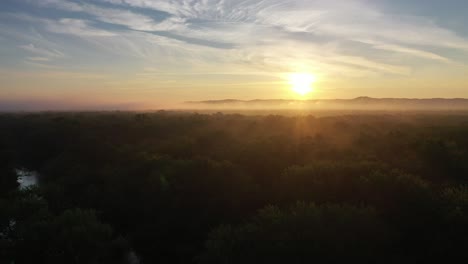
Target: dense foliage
{"type": "Point", "coordinates": [214, 188]}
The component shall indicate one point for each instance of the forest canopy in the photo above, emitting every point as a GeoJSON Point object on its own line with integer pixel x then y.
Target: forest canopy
{"type": "Point", "coordinates": [174, 187]}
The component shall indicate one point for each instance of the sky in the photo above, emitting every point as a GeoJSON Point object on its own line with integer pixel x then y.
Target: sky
{"type": "Point", "coordinates": [142, 54]}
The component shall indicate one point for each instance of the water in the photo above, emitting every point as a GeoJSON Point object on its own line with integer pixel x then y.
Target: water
{"type": "Point", "coordinates": [26, 178]}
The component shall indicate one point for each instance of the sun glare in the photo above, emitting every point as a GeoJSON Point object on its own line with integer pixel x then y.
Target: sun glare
{"type": "Point", "coordinates": [301, 83]}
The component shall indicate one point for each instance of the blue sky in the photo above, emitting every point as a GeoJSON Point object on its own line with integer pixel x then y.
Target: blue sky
{"type": "Point", "coordinates": [153, 53]}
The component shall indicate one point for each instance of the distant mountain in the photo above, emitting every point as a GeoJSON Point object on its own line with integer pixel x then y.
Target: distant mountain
{"type": "Point", "coordinates": [362, 102]}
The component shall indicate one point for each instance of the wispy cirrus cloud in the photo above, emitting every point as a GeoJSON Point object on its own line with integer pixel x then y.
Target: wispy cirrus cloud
{"type": "Point", "coordinates": [123, 17]}
{"type": "Point", "coordinates": [40, 56]}
{"type": "Point", "coordinates": [76, 27]}
{"type": "Point", "coordinates": [42, 51]}
{"type": "Point", "coordinates": [353, 19]}
{"type": "Point", "coordinates": [248, 24]}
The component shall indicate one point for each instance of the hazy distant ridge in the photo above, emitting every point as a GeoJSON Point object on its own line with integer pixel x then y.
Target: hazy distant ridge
{"type": "Point", "coordinates": [356, 103]}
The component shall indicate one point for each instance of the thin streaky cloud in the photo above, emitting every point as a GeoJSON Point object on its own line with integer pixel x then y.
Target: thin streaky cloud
{"type": "Point", "coordinates": [41, 51]}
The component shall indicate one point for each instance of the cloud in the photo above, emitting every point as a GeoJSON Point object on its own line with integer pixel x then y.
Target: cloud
{"type": "Point", "coordinates": [331, 37]}
{"type": "Point", "coordinates": [117, 16]}
{"type": "Point", "coordinates": [75, 27]}
{"type": "Point", "coordinates": [410, 51]}
{"type": "Point", "coordinates": [42, 51]}
{"type": "Point", "coordinates": [41, 55]}
{"type": "Point", "coordinates": [66, 5]}
{"type": "Point", "coordinates": [343, 20]}
{"type": "Point", "coordinates": [38, 59]}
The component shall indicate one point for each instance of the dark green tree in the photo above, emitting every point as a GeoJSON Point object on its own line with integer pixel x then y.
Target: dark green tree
{"type": "Point", "coordinates": [304, 233]}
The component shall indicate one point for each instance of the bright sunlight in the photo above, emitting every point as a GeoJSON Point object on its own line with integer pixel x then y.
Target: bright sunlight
{"type": "Point", "coordinates": [301, 83]}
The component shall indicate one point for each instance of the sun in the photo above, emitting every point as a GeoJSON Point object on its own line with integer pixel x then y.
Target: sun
{"type": "Point", "coordinates": [301, 83]}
